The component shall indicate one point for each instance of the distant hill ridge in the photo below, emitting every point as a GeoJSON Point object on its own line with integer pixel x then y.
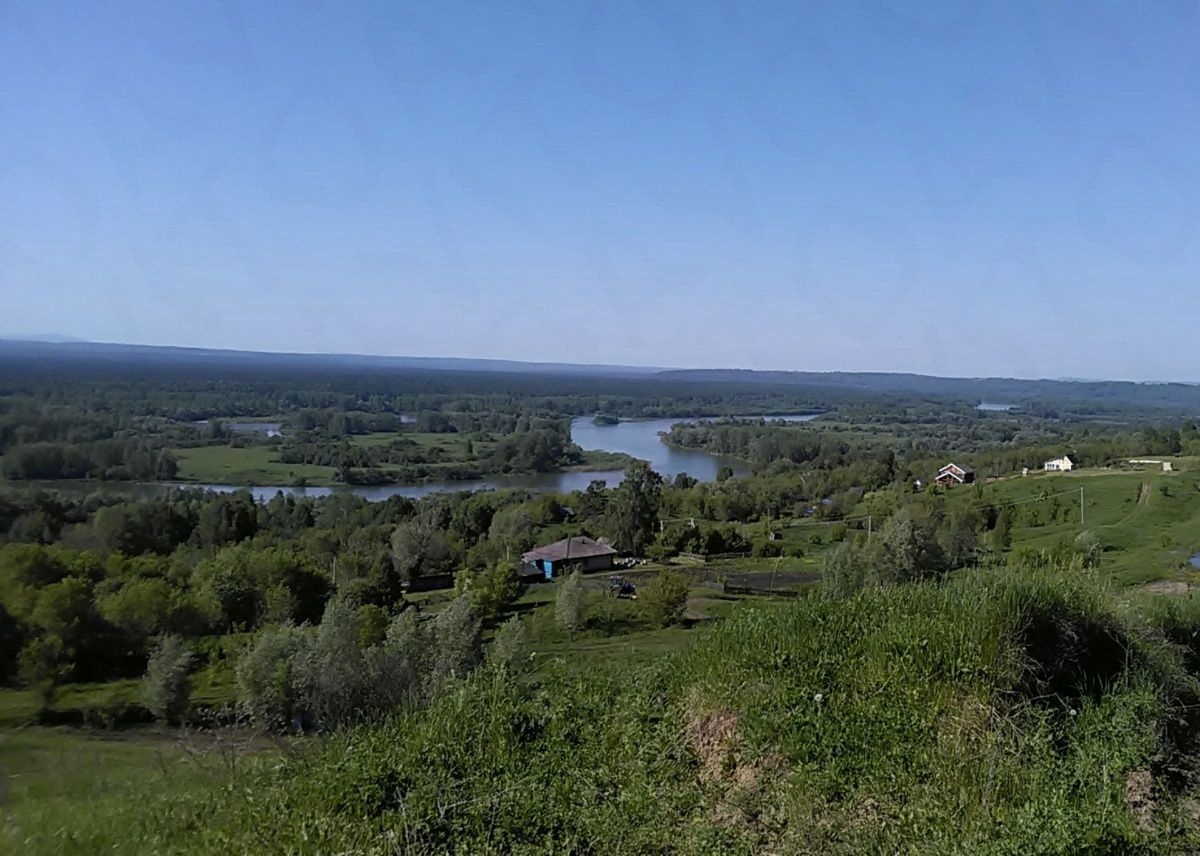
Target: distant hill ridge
{"type": "Point", "coordinates": [1173, 395]}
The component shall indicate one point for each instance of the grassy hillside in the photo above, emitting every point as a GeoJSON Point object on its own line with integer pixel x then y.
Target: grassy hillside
{"type": "Point", "coordinates": [1147, 521]}
{"type": "Point", "coordinates": [999, 712]}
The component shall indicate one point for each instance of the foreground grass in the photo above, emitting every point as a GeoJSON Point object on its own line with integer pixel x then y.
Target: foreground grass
{"type": "Point", "coordinates": [71, 791]}
{"type": "Point", "coordinates": [1000, 712]}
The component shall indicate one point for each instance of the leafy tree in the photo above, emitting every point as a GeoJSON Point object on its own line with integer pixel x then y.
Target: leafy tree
{"type": "Point", "coordinates": [488, 590]}
{"type": "Point", "coordinates": [1001, 537]}
{"type": "Point", "coordinates": [279, 605]}
{"type": "Point", "coordinates": [957, 539]}
{"type": "Point", "coordinates": [63, 607]}
{"type": "Point", "coordinates": [141, 607]}
{"type": "Point", "coordinates": [457, 643]}
{"type": "Point", "coordinates": [570, 604]}
{"type": "Point", "coordinates": [227, 519]}
{"type": "Point", "coordinates": [508, 652]}
{"type": "Point", "coordinates": [845, 569]}
{"type": "Point", "coordinates": [372, 625]}
{"type": "Point", "coordinates": [664, 600]}
{"type": "Point", "coordinates": [44, 664]}
{"type": "Point", "coordinates": [593, 502]}
{"type": "Point", "coordinates": [419, 548]}
{"type": "Point", "coordinates": [336, 679]}
{"type": "Point", "coordinates": [905, 549]}
{"type": "Point", "coordinates": [512, 529]}
{"type": "Point", "coordinates": [167, 686]}
{"type": "Point", "coordinates": [633, 508]}
{"type": "Point", "coordinates": [403, 660]}
{"type": "Point", "coordinates": [270, 689]}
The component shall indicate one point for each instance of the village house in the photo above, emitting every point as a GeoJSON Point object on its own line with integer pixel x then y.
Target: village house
{"type": "Point", "coordinates": [577, 552]}
{"type": "Point", "coordinates": [1059, 465]}
{"type": "Point", "coordinates": [952, 475]}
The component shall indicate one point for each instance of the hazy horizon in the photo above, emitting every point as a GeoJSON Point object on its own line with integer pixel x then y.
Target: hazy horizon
{"type": "Point", "coordinates": [974, 192]}
{"type": "Point", "coordinates": [56, 339]}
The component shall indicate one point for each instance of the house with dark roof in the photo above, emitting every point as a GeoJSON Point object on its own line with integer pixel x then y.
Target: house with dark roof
{"type": "Point", "coordinates": [952, 475]}
{"type": "Point", "coordinates": [577, 552]}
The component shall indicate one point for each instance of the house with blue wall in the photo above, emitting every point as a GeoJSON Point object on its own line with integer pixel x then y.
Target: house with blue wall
{"type": "Point", "coordinates": [577, 552]}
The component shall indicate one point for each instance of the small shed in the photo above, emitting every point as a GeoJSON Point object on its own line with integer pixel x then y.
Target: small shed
{"type": "Point", "coordinates": [577, 552]}
{"type": "Point", "coordinates": [952, 475]}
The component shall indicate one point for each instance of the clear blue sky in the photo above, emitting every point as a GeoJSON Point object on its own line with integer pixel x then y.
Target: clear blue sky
{"type": "Point", "coordinates": [955, 188]}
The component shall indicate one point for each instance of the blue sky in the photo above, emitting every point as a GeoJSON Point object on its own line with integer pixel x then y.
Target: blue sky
{"type": "Point", "coordinates": [953, 188]}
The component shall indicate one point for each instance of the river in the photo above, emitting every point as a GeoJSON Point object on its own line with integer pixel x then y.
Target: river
{"type": "Point", "coordinates": [638, 438]}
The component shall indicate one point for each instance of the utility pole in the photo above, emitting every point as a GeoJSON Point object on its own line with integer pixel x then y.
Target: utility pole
{"type": "Point", "coordinates": [868, 527]}
{"type": "Point", "coordinates": [1081, 511]}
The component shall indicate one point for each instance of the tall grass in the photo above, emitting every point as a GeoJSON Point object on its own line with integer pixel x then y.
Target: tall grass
{"type": "Point", "coordinates": [997, 712]}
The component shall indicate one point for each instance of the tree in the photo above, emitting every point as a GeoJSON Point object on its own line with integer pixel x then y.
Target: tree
{"type": "Point", "coordinates": [1001, 537]}
{"type": "Point", "coordinates": [167, 684]}
{"type": "Point", "coordinates": [418, 547]}
{"type": "Point", "coordinates": [372, 625]}
{"type": "Point", "coordinates": [905, 549]}
{"type": "Point", "coordinates": [269, 684]}
{"type": "Point", "coordinates": [633, 508]}
{"type": "Point", "coordinates": [724, 474]}
{"type": "Point", "coordinates": [402, 662]}
{"type": "Point", "coordinates": [570, 604]}
{"type": "Point", "coordinates": [489, 590]}
{"type": "Point", "coordinates": [141, 608]}
{"type": "Point", "coordinates": [512, 530]}
{"type": "Point", "coordinates": [508, 651]}
{"type": "Point", "coordinates": [336, 680]}
{"type": "Point", "coordinates": [664, 600]}
{"type": "Point", "coordinates": [457, 643]}
{"type": "Point", "coordinates": [845, 569]}
{"type": "Point", "coordinates": [957, 539]}
{"type": "Point", "coordinates": [43, 665]}
{"type": "Point", "coordinates": [593, 502]}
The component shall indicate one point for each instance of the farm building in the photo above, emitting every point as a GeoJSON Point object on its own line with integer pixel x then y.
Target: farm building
{"type": "Point", "coordinates": [952, 474]}
{"type": "Point", "coordinates": [1059, 465]}
{"type": "Point", "coordinates": [578, 551]}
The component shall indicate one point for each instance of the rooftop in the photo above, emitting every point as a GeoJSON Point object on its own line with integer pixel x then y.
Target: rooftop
{"type": "Point", "coordinates": [575, 547]}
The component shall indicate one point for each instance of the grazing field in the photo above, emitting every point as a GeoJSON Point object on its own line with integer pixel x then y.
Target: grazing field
{"type": "Point", "coordinates": [246, 465]}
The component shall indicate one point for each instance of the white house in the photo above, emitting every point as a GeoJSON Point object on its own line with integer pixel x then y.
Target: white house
{"type": "Point", "coordinates": [1059, 465]}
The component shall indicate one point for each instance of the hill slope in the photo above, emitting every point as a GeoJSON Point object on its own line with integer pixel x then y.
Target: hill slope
{"type": "Point", "coordinates": [999, 712]}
